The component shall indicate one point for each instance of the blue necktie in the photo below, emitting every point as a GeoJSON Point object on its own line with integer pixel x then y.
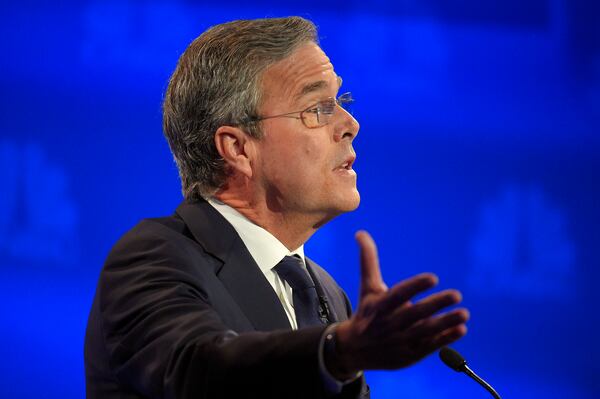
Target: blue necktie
{"type": "Point", "coordinates": [306, 300]}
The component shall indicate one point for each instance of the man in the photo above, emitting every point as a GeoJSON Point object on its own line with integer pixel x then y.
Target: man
{"type": "Point", "coordinates": [209, 302]}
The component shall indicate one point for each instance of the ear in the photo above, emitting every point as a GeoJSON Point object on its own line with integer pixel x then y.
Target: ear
{"type": "Point", "coordinates": [235, 147]}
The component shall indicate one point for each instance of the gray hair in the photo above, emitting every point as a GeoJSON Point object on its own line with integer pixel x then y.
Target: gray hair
{"type": "Point", "coordinates": [216, 83]}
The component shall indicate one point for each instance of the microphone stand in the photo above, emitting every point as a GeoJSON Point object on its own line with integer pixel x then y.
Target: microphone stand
{"type": "Point", "coordinates": [480, 381]}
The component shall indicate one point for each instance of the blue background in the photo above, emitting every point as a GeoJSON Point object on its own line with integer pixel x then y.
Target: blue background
{"type": "Point", "coordinates": [478, 159]}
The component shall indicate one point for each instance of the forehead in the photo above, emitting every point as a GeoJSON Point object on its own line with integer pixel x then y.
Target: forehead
{"type": "Point", "coordinates": [307, 70]}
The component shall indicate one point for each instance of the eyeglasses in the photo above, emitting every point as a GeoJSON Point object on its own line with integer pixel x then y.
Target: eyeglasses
{"type": "Point", "coordinates": [316, 115]}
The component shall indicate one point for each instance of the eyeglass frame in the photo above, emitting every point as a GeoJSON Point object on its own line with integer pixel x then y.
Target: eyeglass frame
{"type": "Point", "coordinates": [341, 100]}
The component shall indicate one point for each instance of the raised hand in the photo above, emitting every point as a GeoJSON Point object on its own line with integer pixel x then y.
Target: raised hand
{"type": "Point", "coordinates": [388, 330]}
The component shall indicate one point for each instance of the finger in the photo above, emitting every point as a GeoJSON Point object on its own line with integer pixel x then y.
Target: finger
{"type": "Point", "coordinates": [400, 293]}
{"type": "Point", "coordinates": [426, 307]}
{"type": "Point", "coordinates": [371, 280]}
{"type": "Point", "coordinates": [447, 337]}
{"type": "Point", "coordinates": [436, 325]}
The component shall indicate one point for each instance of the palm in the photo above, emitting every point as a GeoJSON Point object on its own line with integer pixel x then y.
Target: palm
{"type": "Point", "coordinates": [388, 330]}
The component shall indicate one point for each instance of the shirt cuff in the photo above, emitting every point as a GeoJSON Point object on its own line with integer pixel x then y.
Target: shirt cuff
{"type": "Point", "coordinates": [332, 384]}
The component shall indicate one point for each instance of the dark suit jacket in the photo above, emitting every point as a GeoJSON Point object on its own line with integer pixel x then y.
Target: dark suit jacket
{"type": "Point", "coordinates": [183, 311]}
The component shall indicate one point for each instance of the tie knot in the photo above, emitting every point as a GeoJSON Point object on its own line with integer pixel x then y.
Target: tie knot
{"type": "Point", "coordinates": [291, 270]}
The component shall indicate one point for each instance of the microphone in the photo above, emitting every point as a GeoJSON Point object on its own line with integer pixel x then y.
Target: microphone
{"type": "Point", "coordinates": [324, 313]}
{"type": "Point", "coordinates": [456, 362]}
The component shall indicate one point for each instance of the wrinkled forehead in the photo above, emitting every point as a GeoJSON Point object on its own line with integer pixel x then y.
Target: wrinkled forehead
{"type": "Point", "coordinates": [307, 70]}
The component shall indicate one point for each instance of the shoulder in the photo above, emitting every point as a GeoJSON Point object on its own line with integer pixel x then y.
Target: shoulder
{"type": "Point", "coordinates": [335, 293]}
{"type": "Point", "coordinates": [155, 239]}
{"type": "Point", "coordinates": [157, 252]}
{"type": "Point", "coordinates": [322, 274]}
{"type": "Point", "coordinates": [151, 231]}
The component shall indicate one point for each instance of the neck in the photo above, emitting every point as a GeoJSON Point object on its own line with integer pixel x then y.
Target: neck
{"type": "Point", "coordinates": [290, 228]}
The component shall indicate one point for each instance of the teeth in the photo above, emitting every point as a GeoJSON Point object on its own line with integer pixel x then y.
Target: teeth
{"type": "Point", "coordinates": [346, 165]}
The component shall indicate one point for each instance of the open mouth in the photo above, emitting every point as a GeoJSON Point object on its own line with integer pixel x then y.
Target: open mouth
{"type": "Point", "coordinates": [346, 167]}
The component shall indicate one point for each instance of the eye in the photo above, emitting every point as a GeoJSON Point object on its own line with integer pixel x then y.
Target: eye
{"type": "Point", "coordinates": [326, 106]}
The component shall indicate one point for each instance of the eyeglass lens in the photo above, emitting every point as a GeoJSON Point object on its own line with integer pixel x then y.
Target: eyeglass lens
{"type": "Point", "coordinates": [321, 113]}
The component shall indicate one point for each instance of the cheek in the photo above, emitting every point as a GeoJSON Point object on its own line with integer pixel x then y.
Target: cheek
{"type": "Point", "coordinates": [284, 165]}
{"type": "Point", "coordinates": [311, 165]}
{"type": "Point", "coordinates": [299, 158]}
{"type": "Point", "coordinates": [315, 154]}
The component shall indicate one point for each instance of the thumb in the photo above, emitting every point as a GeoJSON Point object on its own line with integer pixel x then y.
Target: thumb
{"type": "Point", "coordinates": [370, 274]}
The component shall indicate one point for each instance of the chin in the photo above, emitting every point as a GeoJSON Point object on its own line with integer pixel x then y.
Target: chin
{"type": "Point", "coordinates": [355, 201]}
{"type": "Point", "coordinates": [348, 202]}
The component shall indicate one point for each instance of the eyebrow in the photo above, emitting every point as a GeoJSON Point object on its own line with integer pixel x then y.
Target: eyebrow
{"type": "Point", "coordinates": [316, 86]}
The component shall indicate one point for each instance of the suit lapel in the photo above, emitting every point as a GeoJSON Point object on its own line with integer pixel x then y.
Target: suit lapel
{"type": "Point", "coordinates": [251, 290]}
{"type": "Point", "coordinates": [239, 272]}
{"type": "Point", "coordinates": [336, 308]}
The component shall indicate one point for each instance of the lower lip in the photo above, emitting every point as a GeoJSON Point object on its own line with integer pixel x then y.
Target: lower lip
{"type": "Point", "coordinates": [345, 172]}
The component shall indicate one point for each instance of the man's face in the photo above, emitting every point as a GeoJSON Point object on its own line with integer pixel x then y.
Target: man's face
{"type": "Point", "coordinates": [307, 172]}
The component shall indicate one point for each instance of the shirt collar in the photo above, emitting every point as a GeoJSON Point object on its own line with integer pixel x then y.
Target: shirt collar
{"type": "Point", "coordinates": [266, 250]}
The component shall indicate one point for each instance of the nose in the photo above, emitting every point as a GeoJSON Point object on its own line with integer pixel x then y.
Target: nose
{"type": "Point", "coordinates": [347, 126]}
